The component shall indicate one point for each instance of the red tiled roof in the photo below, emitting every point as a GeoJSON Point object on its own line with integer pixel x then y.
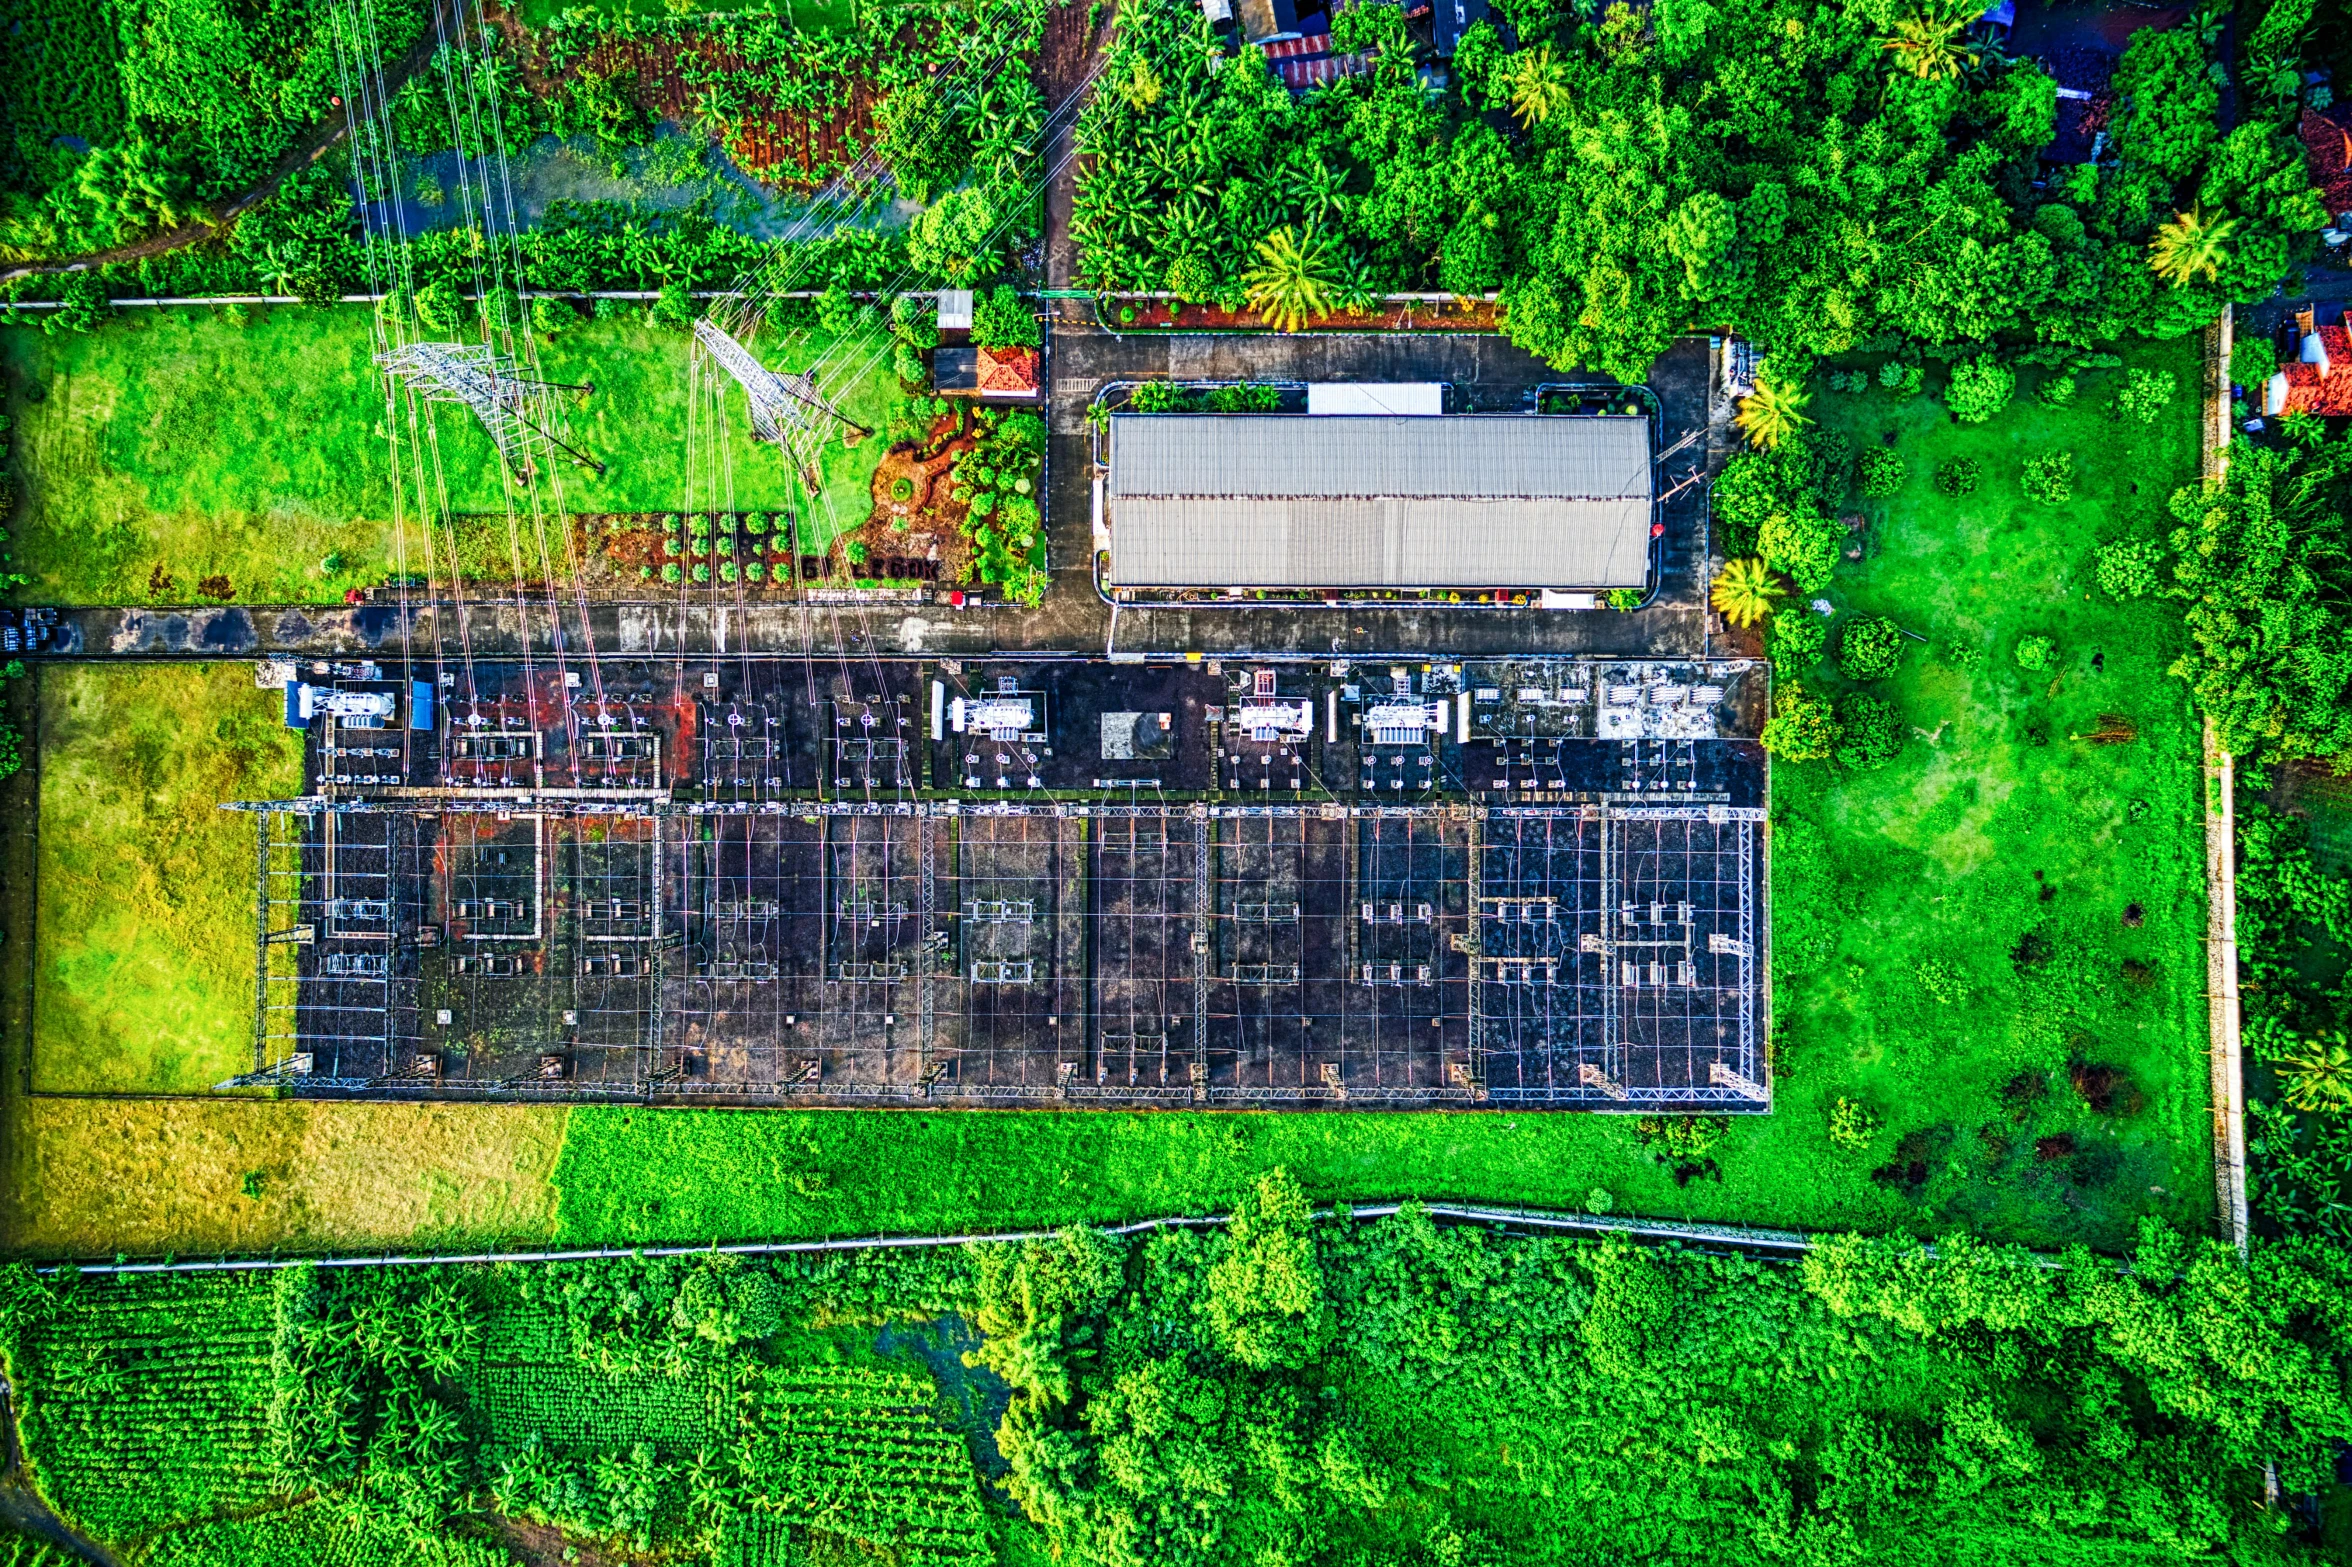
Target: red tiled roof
{"type": "Point", "coordinates": [1289, 48]}
{"type": "Point", "coordinates": [2308, 392]}
{"type": "Point", "coordinates": [1008, 369]}
{"type": "Point", "coordinates": [1298, 75]}
{"type": "Point", "coordinates": [2327, 148]}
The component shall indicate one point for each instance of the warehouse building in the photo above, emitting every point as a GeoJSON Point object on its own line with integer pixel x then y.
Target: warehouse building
{"type": "Point", "coordinates": [1369, 501]}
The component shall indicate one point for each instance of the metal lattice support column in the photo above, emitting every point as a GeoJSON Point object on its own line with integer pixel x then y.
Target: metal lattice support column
{"type": "Point", "coordinates": [1474, 863]}
{"type": "Point", "coordinates": [486, 381]}
{"type": "Point", "coordinates": [655, 967]}
{"type": "Point", "coordinates": [785, 409]}
{"type": "Point", "coordinates": [1612, 1048]}
{"type": "Point", "coordinates": [261, 939]}
{"type": "Point", "coordinates": [926, 902]}
{"type": "Point", "coordinates": [1747, 947]}
{"type": "Point", "coordinates": [1202, 893]}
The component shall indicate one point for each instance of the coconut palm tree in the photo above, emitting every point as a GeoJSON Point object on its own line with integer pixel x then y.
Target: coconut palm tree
{"type": "Point", "coordinates": [1769, 413]}
{"type": "Point", "coordinates": [1538, 85]}
{"type": "Point", "coordinates": [2189, 248]}
{"type": "Point", "coordinates": [1291, 284]}
{"type": "Point", "coordinates": [1747, 591]}
{"type": "Point", "coordinates": [2318, 1075]}
{"type": "Point", "coordinates": [1926, 40]}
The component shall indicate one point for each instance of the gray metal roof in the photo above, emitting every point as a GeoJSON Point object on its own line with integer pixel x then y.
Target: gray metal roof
{"type": "Point", "coordinates": [1261, 500]}
{"type": "Point", "coordinates": [1528, 455]}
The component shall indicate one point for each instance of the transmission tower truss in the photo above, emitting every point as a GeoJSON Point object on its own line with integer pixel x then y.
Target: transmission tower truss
{"type": "Point", "coordinates": [509, 404]}
{"type": "Point", "coordinates": [785, 409]}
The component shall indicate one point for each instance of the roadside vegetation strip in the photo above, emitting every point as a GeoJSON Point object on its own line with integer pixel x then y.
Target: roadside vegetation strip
{"type": "Point", "coordinates": [2225, 1016]}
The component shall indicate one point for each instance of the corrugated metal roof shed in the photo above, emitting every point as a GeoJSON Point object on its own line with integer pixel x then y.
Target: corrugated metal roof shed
{"type": "Point", "coordinates": [1377, 501]}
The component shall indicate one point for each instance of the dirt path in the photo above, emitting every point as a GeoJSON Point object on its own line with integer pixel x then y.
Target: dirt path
{"type": "Point", "coordinates": [308, 150]}
{"type": "Point", "coordinates": [1071, 53]}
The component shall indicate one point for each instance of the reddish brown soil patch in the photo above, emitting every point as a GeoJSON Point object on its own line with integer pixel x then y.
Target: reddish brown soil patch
{"type": "Point", "coordinates": [2106, 1089]}
{"type": "Point", "coordinates": [1070, 47]}
{"type": "Point", "coordinates": [771, 143]}
{"type": "Point", "coordinates": [2327, 149]}
{"type": "Point", "coordinates": [799, 148]}
{"type": "Point", "coordinates": [932, 545]}
{"type": "Point", "coordinates": [2053, 1148]}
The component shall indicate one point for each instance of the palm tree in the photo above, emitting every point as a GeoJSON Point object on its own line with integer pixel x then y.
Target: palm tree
{"type": "Point", "coordinates": [1538, 85]}
{"type": "Point", "coordinates": [2319, 1074]}
{"type": "Point", "coordinates": [1769, 413]}
{"type": "Point", "coordinates": [1291, 284]}
{"type": "Point", "coordinates": [2189, 248]}
{"type": "Point", "coordinates": [1747, 591]}
{"type": "Point", "coordinates": [1926, 40]}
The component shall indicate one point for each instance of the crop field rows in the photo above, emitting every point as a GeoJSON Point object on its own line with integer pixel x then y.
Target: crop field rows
{"type": "Point", "coordinates": [149, 1418]}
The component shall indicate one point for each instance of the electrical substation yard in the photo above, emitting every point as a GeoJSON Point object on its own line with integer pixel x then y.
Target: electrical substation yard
{"type": "Point", "coordinates": [1512, 883]}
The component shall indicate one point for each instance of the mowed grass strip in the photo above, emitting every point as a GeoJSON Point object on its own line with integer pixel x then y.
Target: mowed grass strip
{"type": "Point", "coordinates": [172, 449]}
{"type": "Point", "coordinates": [144, 894]}
{"type": "Point", "coordinates": [93, 1177]}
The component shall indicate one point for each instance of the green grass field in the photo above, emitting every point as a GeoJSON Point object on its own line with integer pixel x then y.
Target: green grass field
{"type": "Point", "coordinates": [172, 446]}
{"type": "Point", "coordinates": [143, 968]}
{"type": "Point", "coordinates": [1955, 925]}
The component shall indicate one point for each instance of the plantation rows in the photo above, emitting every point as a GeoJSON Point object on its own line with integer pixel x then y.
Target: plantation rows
{"type": "Point", "coordinates": [862, 1451]}
{"type": "Point", "coordinates": [571, 1406]}
{"type": "Point", "coordinates": [378, 1416]}
{"type": "Point", "coordinates": [151, 1404]}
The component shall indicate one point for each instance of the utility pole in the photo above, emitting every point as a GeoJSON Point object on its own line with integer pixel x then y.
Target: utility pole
{"type": "Point", "coordinates": [786, 409]}
{"type": "Point", "coordinates": [486, 381]}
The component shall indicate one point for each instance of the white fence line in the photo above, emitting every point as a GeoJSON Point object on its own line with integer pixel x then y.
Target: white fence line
{"type": "Point", "coordinates": [1791, 1241]}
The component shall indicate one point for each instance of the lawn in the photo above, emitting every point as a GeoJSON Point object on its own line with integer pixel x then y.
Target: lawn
{"type": "Point", "coordinates": [2004, 925]}
{"type": "Point", "coordinates": [172, 447]}
{"type": "Point", "coordinates": [143, 957]}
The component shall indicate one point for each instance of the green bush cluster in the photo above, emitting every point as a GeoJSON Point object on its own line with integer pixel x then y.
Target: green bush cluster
{"type": "Point", "coordinates": [2049, 478]}
{"type": "Point", "coordinates": [1795, 641]}
{"type": "Point", "coordinates": [1001, 318]}
{"type": "Point", "coordinates": [1779, 505]}
{"type": "Point", "coordinates": [1869, 648]}
{"type": "Point", "coordinates": [1869, 735]}
{"type": "Point", "coordinates": [2127, 568]}
{"type": "Point", "coordinates": [1980, 388]}
{"type": "Point", "coordinates": [1880, 472]}
{"type": "Point", "coordinates": [997, 479]}
{"type": "Point", "coordinates": [1958, 476]}
{"type": "Point", "coordinates": [2146, 393]}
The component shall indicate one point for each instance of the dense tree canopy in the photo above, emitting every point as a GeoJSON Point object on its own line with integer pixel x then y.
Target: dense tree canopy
{"type": "Point", "coordinates": [1773, 168]}
{"type": "Point", "coordinates": [2262, 565]}
{"type": "Point", "coordinates": [1285, 1392]}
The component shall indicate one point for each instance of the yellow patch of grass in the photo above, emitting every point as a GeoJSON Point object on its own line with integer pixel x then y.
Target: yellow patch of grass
{"type": "Point", "coordinates": [93, 1177]}
{"type": "Point", "coordinates": [143, 962]}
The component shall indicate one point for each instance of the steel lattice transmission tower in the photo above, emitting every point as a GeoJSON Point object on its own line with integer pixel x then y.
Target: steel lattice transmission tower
{"type": "Point", "coordinates": [786, 409]}
{"type": "Point", "coordinates": [486, 381]}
